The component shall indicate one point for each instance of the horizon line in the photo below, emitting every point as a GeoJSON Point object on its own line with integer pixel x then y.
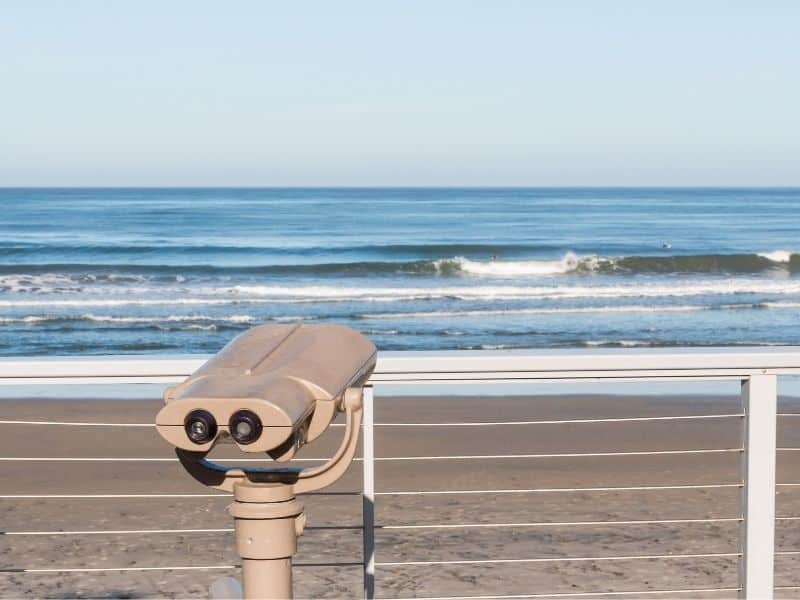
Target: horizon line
{"type": "Point", "coordinates": [400, 187]}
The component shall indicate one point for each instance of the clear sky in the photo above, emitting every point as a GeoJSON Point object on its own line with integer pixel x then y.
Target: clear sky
{"type": "Point", "coordinates": [434, 92]}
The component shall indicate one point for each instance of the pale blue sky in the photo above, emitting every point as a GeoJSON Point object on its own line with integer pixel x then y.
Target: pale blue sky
{"type": "Point", "coordinates": [400, 93]}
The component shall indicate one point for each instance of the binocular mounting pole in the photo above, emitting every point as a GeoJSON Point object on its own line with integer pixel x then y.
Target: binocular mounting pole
{"type": "Point", "coordinates": [268, 519]}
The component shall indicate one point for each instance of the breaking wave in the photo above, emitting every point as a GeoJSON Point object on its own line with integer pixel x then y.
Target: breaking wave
{"type": "Point", "coordinates": [499, 268]}
{"type": "Point", "coordinates": [680, 264]}
{"type": "Point", "coordinates": [61, 278]}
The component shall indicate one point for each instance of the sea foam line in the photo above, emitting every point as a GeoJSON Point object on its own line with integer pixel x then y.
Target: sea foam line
{"type": "Point", "coordinates": [579, 310]}
{"type": "Point", "coordinates": [141, 320]}
{"type": "Point", "coordinates": [256, 294]}
{"type": "Point", "coordinates": [533, 311]}
{"type": "Point", "coordinates": [724, 287]}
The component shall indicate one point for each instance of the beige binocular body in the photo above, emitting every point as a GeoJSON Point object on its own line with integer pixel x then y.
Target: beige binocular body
{"type": "Point", "coordinates": [271, 389]}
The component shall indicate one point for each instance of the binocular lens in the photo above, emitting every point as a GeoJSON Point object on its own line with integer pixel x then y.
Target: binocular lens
{"type": "Point", "coordinates": [244, 426]}
{"type": "Point", "coordinates": [200, 426]}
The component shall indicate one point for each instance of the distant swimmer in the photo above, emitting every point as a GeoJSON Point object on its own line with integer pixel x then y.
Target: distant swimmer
{"type": "Point", "coordinates": [494, 256]}
{"type": "Point", "coordinates": [666, 246]}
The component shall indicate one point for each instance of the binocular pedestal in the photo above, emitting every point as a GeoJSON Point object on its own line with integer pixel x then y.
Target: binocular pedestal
{"type": "Point", "coordinates": [268, 521]}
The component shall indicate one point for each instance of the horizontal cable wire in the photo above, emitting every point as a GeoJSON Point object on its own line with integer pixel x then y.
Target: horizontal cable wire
{"type": "Point", "coordinates": [582, 594]}
{"type": "Point", "coordinates": [162, 531]}
{"type": "Point", "coordinates": [154, 496]}
{"type": "Point", "coordinates": [563, 524]}
{"type": "Point", "coordinates": [106, 496]}
{"type": "Point", "coordinates": [396, 527]}
{"type": "Point", "coordinates": [451, 424]}
{"type": "Point", "coordinates": [562, 454]}
{"type": "Point", "coordinates": [557, 490]}
{"type": "Point", "coordinates": [180, 568]}
{"type": "Point", "coordinates": [77, 424]}
{"type": "Point", "coordinates": [136, 459]}
{"type": "Point", "coordinates": [423, 563]}
{"type": "Point", "coordinates": [117, 531]}
{"type": "Point", "coordinates": [385, 564]}
{"type": "Point", "coordinates": [114, 569]}
{"type": "Point", "coordinates": [393, 458]}
{"type": "Point", "coordinates": [390, 493]}
{"type": "Point", "coordinates": [561, 421]}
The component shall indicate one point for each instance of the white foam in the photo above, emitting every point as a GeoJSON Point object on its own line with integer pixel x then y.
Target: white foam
{"type": "Point", "coordinates": [687, 288]}
{"type": "Point", "coordinates": [534, 311]}
{"type": "Point", "coordinates": [781, 256]}
{"type": "Point", "coordinates": [623, 343]}
{"type": "Point", "coordinates": [240, 319]}
{"type": "Point", "coordinates": [780, 304]}
{"type": "Point", "coordinates": [498, 268]}
{"type": "Point", "coordinates": [52, 283]}
{"type": "Point", "coordinates": [312, 294]}
{"type": "Point", "coordinates": [170, 318]}
{"type": "Point", "coordinates": [28, 319]}
{"type": "Point", "coordinates": [379, 331]}
{"type": "Point", "coordinates": [292, 318]}
{"type": "Point", "coordinates": [89, 302]}
{"type": "Point", "coordinates": [115, 319]}
{"type": "Point", "coordinates": [39, 284]}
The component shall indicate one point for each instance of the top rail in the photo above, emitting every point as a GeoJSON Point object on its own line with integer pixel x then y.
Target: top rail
{"type": "Point", "coordinates": [432, 367]}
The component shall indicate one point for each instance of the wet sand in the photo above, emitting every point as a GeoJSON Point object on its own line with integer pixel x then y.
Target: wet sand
{"type": "Point", "coordinates": [322, 545]}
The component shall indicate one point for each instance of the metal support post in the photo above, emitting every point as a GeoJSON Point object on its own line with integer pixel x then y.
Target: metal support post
{"type": "Point", "coordinates": [368, 495]}
{"type": "Point", "coordinates": [756, 570]}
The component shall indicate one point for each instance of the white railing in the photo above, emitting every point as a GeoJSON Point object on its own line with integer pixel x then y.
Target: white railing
{"type": "Point", "coordinates": [756, 368]}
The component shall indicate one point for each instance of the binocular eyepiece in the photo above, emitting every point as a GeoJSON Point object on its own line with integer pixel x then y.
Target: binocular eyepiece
{"type": "Point", "coordinates": [244, 426]}
{"type": "Point", "coordinates": [200, 426]}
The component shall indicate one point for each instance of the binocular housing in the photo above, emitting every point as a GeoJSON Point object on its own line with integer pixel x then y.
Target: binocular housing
{"type": "Point", "coordinates": [271, 389]}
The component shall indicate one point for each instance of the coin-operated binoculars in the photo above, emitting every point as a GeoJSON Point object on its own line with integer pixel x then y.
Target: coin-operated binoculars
{"type": "Point", "coordinates": [270, 390]}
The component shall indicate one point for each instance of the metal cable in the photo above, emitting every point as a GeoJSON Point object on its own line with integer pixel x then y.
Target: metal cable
{"type": "Point", "coordinates": [424, 563]}
{"type": "Point", "coordinates": [559, 490]}
{"type": "Point", "coordinates": [392, 458]}
{"type": "Point", "coordinates": [564, 523]}
{"type": "Point", "coordinates": [583, 594]}
{"type": "Point", "coordinates": [562, 421]}
{"type": "Point", "coordinates": [449, 424]}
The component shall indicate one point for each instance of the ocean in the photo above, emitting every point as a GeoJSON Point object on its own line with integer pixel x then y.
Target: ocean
{"type": "Point", "coordinates": [165, 271]}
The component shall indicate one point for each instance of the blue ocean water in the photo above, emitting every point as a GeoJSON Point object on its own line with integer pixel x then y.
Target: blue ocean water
{"type": "Point", "coordinates": [107, 271]}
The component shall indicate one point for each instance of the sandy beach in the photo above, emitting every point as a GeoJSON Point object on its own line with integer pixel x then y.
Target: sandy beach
{"type": "Point", "coordinates": [322, 545]}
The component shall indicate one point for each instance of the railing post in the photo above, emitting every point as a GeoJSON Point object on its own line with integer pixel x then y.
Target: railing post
{"type": "Point", "coordinates": [368, 494]}
{"type": "Point", "coordinates": [756, 568]}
